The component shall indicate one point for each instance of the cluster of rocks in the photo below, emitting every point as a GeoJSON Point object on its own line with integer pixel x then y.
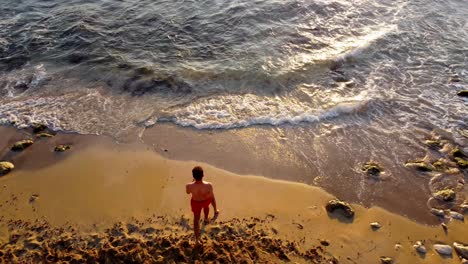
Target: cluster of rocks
{"type": "Point", "coordinates": [39, 131]}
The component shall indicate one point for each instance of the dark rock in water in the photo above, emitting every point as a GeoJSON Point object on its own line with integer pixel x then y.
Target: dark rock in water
{"type": "Point", "coordinates": [21, 145]}
{"type": "Point", "coordinates": [419, 165]}
{"type": "Point", "coordinates": [76, 58]}
{"type": "Point", "coordinates": [463, 93]}
{"type": "Point", "coordinates": [437, 212]}
{"type": "Point", "coordinates": [144, 71]}
{"type": "Point", "coordinates": [345, 207]}
{"type": "Point", "coordinates": [440, 165]}
{"type": "Point", "coordinates": [462, 163]}
{"type": "Point", "coordinates": [445, 195]}
{"type": "Point", "coordinates": [62, 148]}
{"type": "Point", "coordinates": [455, 78]}
{"type": "Point", "coordinates": [44, 135]}
{"type": "Point", "coordinates": [458, 153]}
{"type": "Point", "coordinates": [372, 168]}
{"type": "Point", "coordinates": [138, 85]}
{"type": "Point", "coordinates": [386, 260]}
{"type": "Point", "coordinates": [38, 128]}
{"type": "Point", "coordinates": [14, 62]}
{"type": "Point", "coordinates": [6, 167]}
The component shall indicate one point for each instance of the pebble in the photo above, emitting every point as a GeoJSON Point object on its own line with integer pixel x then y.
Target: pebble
{"type": "Point", "coordinates": [386, 260]}
{"type": "Point", "coordinates": [420, 247]}
{"type": "Point", "coordinates": [437, 212]}
{"type": "Point", "coordinates": [375, 225]}
{"type": "Point", "coordinates": [456, 215]}
{"type": "Point", "coordinates": [398, 247]}
{"type": "Point", "coordinates": [444, 226]}
{"type": "Point", "coordinates": [443, 249]}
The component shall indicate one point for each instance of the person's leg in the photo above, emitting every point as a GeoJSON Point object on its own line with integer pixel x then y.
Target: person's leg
{"type": "Point", "coordinates": [206, 211]}
{"type": "Point", "coordinates": [196, 227]}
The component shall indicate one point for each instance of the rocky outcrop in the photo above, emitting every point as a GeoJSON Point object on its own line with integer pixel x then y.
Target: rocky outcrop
{"type": "Point", "coordinates": [419, 165]}
{"type": "Point", "coordinates": [6, 167]}
{"type": "Point", "coordinates": [22, 145]}
{"type": "Point", "coordinates": [446, 195]}
{"type": "Point", "coordinates": [341, 206]}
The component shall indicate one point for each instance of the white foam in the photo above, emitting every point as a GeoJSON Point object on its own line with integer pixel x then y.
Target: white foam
{"type": "Point", "coordinates": [225, 112]}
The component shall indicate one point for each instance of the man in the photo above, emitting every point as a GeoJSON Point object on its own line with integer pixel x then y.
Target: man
{"type": "Point", "coordinates": [202, 197]}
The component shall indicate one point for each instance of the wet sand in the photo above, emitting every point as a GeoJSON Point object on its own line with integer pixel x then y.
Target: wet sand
{"type": "Point", "coordinates": [123, 202]}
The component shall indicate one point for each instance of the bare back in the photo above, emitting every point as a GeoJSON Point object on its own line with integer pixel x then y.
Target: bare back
{"type": "Point", "coordinates": [200, 191]}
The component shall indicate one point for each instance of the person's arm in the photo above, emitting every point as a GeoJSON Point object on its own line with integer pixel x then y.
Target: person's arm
{"type": "Point", "coordinates": [187, 188]}
{"type": "Point", "coordinates": [213, 199]}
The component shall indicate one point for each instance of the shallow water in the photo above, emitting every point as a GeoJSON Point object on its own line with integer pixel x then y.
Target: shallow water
{"type": "Point", "coordinates": [370, 79]}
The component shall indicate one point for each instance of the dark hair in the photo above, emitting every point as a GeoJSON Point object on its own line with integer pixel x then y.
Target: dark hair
{"type": "Point", "coordinates": [197, 173]}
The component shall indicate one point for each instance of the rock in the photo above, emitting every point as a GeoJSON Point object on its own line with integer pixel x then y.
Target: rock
{"type": "Point", "coordinates": [462, 163]}
{"type": "Point", "coordinates": [440, 165]}
{"type": "Point", "coordinates": [21, 145]}
{"type": "Point", "coordinates": [398, 247]}
{"type": "Point", "coordinates": [44, 135]}
{"type": "Point", "coordinates": [446, 195]}
{"type": "Point", "coordinates": [458, 153]}
{"type": "Point", "coordinates": [375, 225]}
{"type": "Point", "coordinates": [419, 165]}
{"type": "Point", "coordinates": [33, 198]}
{"type": "Point", "coordinates": [456, 215]}
{"type": "Point", "coordinates": [437, 212]}
{"type": "Point", "coordinates": [386, 260]}
{"type": "Point", "coordinates": [463, 93]}
{"type": "Point", "coordinates": [345, 207]}
{"type": "Point", "coordinates": [444, 227]}
{"type": "Point", "coordinates": [420, 248]}
{"type": "Point", "coordinates": [455, 78]}
{"type": "Point", "coordinates": [38, 128]}
{"type": "Point", "coordinates": [462, 250]}
{"type": "Point", "coordinates": [6, 167]}
{"type": "Point", "coordinates": [372, 168]}
{"type": "Point", "coordinates": [62, 148]}
{"type": "Point", "coordinates": [443, 249]}
{"type": "Point", "coordinates": [433, 143]}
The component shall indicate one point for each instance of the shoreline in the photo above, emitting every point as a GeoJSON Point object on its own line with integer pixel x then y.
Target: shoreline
{"type": "Point", "coordinates": [98, 183]}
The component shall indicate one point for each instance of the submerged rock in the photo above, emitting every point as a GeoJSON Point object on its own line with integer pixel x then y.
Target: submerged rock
{"type": "Point", "coordinates": [6, 167]}
{"type": "Point", "coordinates": [38, 128]}
{"type": "Point", "coordinates": [437, 212]}
{"type": "Point", "coordinates": [372, 168]}
{"type": "Point", "coordinates": [458, 153]}
{"type": "Point", "coordinates": [446, 195]}
{"type": "Point", "coordinates": [433, 143]}
{"type": "Point", "coordinates": [62, 148]}
{"type": "Point", "coordinates": [21, 145]}
{"type": "Point", "coordinates": [443, 249]}
{"type": "Point", "coordinates": [419, 165]}
{"type": "Point", "coordinates": [342, 206]}
{"type": "Point", "coordinates": [463, 93]}
{"type": "Point", "coordinates": [440, 165]}
{"type": "Point", "coordinates": [375, 225]}
{"type": "Point", "coordinates": [462, 163]}
{"type": "Point", "coordinates": [420, 248]}
{"type": "Point", "coordinates": [462, 250]}
{"type": "Point", "coordinates": [44, 135]}
{"type": "Point", "coordinates": [386, 260]}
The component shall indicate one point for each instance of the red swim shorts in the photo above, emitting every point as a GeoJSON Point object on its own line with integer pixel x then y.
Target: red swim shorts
{"type": "Point", "coordinates": [198, 205]}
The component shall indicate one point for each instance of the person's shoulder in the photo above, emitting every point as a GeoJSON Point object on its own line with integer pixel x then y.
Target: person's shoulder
{"type": "Point", "coordinates": [207, 183]}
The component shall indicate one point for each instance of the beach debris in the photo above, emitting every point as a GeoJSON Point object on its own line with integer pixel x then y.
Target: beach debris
{"type": "Point", "coordinates": [372, 168]}
{"type": "Point", "coordinates": [62, 148]}
{"type": "Point", "coordinates": [420, 248]}
{"type": "Point", "coordinates": [433, 143]}
{"type": "Point", "coordinates": [22, 145]}
{"type": "Point", "coordinates": [386, 260]}
{"type": "Point", "coordinates": [442, 249]}
{"type": "Point", "coordinates": [463, 93]}
{"type": "Point", "coordinates": [375, 225]}
{"type": "Point", "coordinates": [342, 206]}
{"type": "Point", "coordinates": [457, 216]}
{"type": "Point", "coordinates": [446, 195]}
{"type": "Point", "coordinates": [398, 246]}
{"type": "Point", "coordinates": [44, 135]}
{"type": "Point", "coordinates": [437, 212]}
{"type": "Point", "coordinates": [38, 128]}
{"type": "Point", "coordinates": [462, 250]}
{"type": "Point", "coordinates": [6, 167]}
{"type": "Point", "coordinates": [420, 165]}
{"type": "Point", "coordinates": [33, 198]}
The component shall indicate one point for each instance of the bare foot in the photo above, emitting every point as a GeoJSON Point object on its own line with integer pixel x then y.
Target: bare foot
{"type": "Point", "coordinates": [216, 214]}
{"type": "Point", "coordinates": [206, 221]}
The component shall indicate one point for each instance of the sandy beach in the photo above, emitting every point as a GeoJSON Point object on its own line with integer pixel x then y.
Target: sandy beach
{"type": "Point", "coordinates": [108, 202]}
